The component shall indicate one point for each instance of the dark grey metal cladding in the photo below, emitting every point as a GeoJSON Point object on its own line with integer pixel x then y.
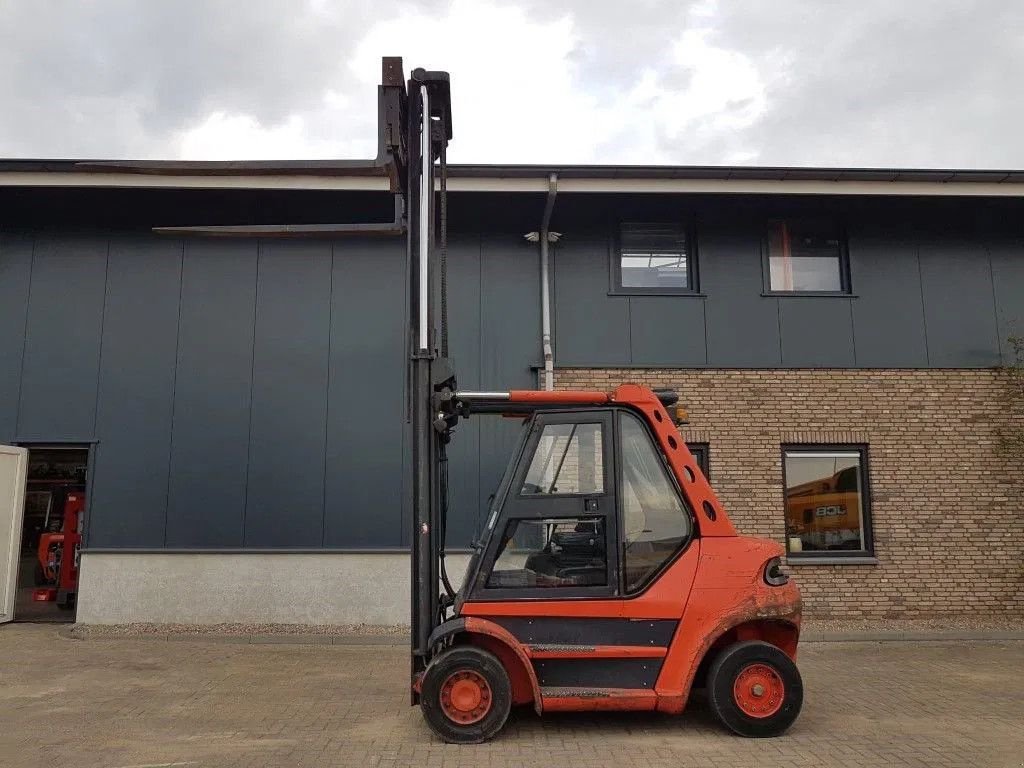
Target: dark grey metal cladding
{"type": "Point", "coordinates": [213, 390]}
{"type": "Point", "coordinates": [1007, 256]}
{"type": "Point", "coordinates": [590, 327]}
{"type": "Point", "coordinates": [154, 394]}
{"type": "Point", "coordinates": [742, 325]}
{"type": "Point", "coordinates": [667, 330]}
{"type": "Point", "coordinates": [817, 332]}
{"type": "Point", "coordinates": [509, 345]}
{"type": "Point", "coordinates": [885, 323]}
{"type": "Point", "coordinates": [597, 673]}
{"type": "Point", "coordinates": [655, 633]}
{"type": "Point", "coordinates": [136, 387]}
{"type": "Point", "coordinates": [284, 498]}
{"type": "Point", "coordinates": [888, 316]}
{"type": "Point", "coordinates": [494, 307]}
{"type": "Point", "coordinates": [15, 276]}
{"type": "Point", "coordinates": [366, 441]}
{"type": "Point", "coordinates": [956, 282]}
{"type": "Point", "coordinates": [62, 339]}
{"type": "Point", "coordinates": [464, 302]}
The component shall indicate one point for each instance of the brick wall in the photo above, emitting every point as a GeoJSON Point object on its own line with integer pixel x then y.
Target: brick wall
{"type": "Point", "coordinates": [946, 499]}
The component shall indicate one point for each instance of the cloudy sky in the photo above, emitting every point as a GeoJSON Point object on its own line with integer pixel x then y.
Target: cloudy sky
{"type": "Point", "coordinates": [933, 83]}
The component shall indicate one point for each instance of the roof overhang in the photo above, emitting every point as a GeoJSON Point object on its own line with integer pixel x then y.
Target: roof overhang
{"type": "Point", "coordinates": [360, 176]}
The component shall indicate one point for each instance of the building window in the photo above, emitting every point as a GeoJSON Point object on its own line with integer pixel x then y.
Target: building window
{"type": "Point", "coordinates": [805, 257]}
{"type": "Point", "coordinates": [827, 513]}
{"type": "Point", "coordinates": [702, 454]}
{"type": "Point", "coordinates": [654, 258]}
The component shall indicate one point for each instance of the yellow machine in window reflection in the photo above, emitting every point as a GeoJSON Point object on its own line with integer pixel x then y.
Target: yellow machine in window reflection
{"type": "Point", "coordinates": [825, 514]}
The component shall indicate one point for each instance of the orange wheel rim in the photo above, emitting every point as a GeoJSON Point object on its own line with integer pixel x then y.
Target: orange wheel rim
{"type": "Point", "coordinates": [759, 690]}
{"type": "Point", "coordinates": [465, 697]}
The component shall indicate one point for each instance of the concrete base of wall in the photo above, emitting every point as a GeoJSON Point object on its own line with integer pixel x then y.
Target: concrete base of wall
{"type": "Point", "coordinates": [206, 588]}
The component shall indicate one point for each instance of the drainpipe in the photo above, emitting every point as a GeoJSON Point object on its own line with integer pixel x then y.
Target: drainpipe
{"type": "Point", "coordinates": [545, 286]}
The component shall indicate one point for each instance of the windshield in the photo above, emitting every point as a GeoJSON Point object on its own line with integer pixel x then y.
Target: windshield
{"type": "Point", "coordinates": [493, 504]}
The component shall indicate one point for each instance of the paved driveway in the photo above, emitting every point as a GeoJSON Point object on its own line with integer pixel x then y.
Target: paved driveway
{"type": "Point", "coordinates": [146, 702]}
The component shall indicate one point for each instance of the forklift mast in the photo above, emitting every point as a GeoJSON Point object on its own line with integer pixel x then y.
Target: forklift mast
{"type": "Point", "coordinates": [429, 130]}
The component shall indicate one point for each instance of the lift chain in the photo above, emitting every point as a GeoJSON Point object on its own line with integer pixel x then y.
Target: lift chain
{"type": "Point", "coordinates": [444, 241]}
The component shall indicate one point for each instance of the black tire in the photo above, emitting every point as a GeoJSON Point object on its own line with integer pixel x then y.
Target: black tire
{"type": "Point", "coordinates": [475, 661]}
{"type": "Point", "coordinates": [739, 659]}
{"type": "Point", "coordinates": [66, 602]}
{"type": "Point", "coordinates": [39, 576]}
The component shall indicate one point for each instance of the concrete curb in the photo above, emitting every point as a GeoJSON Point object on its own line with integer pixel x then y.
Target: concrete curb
{"type": "Point", "coordinates": [890, 636]}
{"type": "Point", "coordinates": [72, 633]}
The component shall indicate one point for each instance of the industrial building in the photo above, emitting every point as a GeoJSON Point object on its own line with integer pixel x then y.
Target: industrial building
{"type": "Point", "coordinates": [233, 409]}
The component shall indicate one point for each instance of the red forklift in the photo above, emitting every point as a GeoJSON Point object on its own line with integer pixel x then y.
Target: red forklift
{"type": "Point", "coordinates": [57, 556]}
{"type": "Point", "coordinates": [608, 576]}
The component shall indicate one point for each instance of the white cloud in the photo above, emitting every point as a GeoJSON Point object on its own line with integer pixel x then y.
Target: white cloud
{"type": "Point", "coordinates": [223, 136]}
{"type": "Point", "coordinates": [519, 95]}
{"type": "Point", "coordinates": [695, 106]}
{"type": "Point", "coordinates": [515, 90]}
{"type": "Point", "coordinates": [796, 82]}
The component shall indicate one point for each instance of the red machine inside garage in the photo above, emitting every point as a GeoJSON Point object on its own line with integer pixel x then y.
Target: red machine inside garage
{"type": "Point", "coordinates": [58, 553]}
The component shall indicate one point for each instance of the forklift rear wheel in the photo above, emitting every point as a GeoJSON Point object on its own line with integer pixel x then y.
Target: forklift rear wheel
{"type": "Point", "coordinates": [466, 695]}
{"type": "Point", "coordinates": [755, 689]}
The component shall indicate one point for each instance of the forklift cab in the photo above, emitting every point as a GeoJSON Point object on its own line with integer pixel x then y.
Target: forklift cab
{"type": "Point", "coordinates": [588, 509]}
{"type": "Point", "coordinates": [609, 577]}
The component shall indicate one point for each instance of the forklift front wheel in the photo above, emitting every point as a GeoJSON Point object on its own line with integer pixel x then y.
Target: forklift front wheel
{"type": "Point", "coordinates": [466, 695]}
{"type": "Point", "coordinates": [755, 689]}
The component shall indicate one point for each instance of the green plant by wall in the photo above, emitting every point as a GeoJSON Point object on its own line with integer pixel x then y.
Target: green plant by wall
{"type": "Point", "coordinates": [1012, 439]}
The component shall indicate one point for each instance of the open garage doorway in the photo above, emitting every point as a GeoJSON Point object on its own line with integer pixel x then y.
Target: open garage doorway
{"type": "Point", "coordinates": [51, 533]}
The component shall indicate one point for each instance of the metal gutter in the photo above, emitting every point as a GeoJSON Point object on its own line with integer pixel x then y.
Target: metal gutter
{"type": "Point", "coordinates": [369, 175]}
{"type": "Point", "coordinates": [375, 167]}
{"type": "Point", "coordinates": [545, 284]}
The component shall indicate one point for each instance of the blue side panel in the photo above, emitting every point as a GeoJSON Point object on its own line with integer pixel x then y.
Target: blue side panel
{"type": "Point", "coordinates": [210, 439]}
{"type": "Point", "coordinates": [464, 268]}
{"type": "Point", "coordinates": [62, 344]}
{"type": "Point", "coordinates": [285, 494]}
{"type": "Point", "coordinates": [888, 317]}
{"type": "Point", "coordinates": [366, 412]}
{"type": "Point", "coordinates": [667, 330]}
{"type": "Point", "coordinates": [742, 325]}
{"type": "Point", "coordinates": [15, 275]}
{"type": "Point", "coordinates": [1008, 278]}
{"type": "Point", "coordinates": [133, 421]}
{"type": "Point", "coordinates": [959, 307]}
{"type": "Point", "coordinates": [816, 332]}
{"type": "Point", "coordinates": [591, 327]}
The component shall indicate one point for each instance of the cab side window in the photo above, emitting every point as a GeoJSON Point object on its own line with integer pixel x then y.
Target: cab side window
{"type": "Point", "coordinates": [562, 552]}
{"type": "Point", "coordinates": [656, 522]}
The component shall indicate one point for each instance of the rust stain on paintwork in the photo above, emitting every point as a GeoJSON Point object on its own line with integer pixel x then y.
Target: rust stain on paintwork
{"type": "Point", "coordinates": [594, 699]}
